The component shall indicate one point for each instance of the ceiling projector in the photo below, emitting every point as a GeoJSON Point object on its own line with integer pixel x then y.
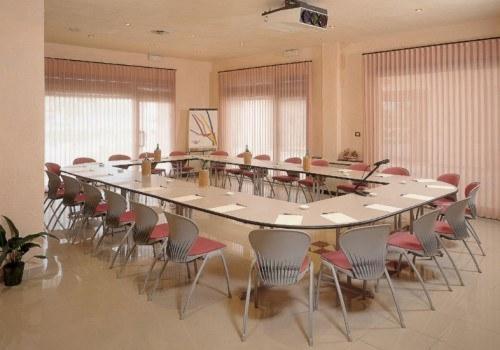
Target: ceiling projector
{"type": "Point", "coordinates": [295, 14]}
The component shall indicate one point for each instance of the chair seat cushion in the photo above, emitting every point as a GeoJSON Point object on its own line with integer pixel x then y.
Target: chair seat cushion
{"type": "Point", "coordinates": [442, 227]}
{"type": "Point", "coordinates": [337, 258]}
{"type": "Point", "coordinates": [306, 182]}
{"type": "Point", "coordinates": [305, 263]}
{"type": "Point", "coordinates": [405, 240]}
{"type": "Point", "coordinates": [234, 171]}
{"type": "Point", "coordinates": [80, 198]}
{"type": "Point", "coordinates": [157, 171]}
{"type": "Point", "coordinates": [204, 245]}
{"type": "Point", "coordinates": [347, 187]}
{"type": "Point", "coordinates": [101, 208]}
{"type": "Point", "coordinates": [128, 216]}
{"type": "Point", "coordinates": [285, 178]}
{"type": "Point", "coordinates": [60, 193]}
{"type": "Point", "coordinates": [160, 231]}
{"type": "Point", "coordinates": [442, 202]}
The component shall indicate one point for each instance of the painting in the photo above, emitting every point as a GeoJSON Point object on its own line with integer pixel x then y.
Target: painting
{"type": "Point", "coordinates": [203, 129]}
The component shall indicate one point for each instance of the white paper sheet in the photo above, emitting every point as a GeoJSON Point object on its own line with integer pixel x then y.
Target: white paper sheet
{"type": "Point", "coordinates": [442, 187]}
{"type": "Point", "coordinates": [228, 208]}
{"type": "Point", "coordinates": [383, 175]}
{"type": "Point", "coordinates": [191, 197]}
{"type": "Point", "coordinates": [425, 180]}
{"type": "Point", "coordinates": [288, 219]}
{"type": "Point", "coordinates": [382, 207]}
{"type": "Point", "coordinates": [338, 218]}
{"type": "Point", "coordinates": [417, 196]}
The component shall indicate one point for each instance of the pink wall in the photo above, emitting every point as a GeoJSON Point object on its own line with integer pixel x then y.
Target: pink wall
{"type": "Point", "coordinates": [21, 112]}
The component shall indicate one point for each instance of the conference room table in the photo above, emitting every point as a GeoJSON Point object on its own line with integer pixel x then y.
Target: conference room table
{"type": "Point", "coordinates": [393, 195]}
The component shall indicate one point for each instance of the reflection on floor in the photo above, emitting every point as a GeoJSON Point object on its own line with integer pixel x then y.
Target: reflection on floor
{"type": "Point", "coordinates": [73, 301]}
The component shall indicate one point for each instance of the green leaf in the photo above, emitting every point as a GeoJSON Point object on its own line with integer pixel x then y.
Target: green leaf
{"type": "Point", "coordinates": [3, 256]}
{"type": "Point", "coordinates": [27, 246]}
{"type": "Point", "coordinates": [12, 227]}
{"type": "Point", "coordinates": [3, 237]}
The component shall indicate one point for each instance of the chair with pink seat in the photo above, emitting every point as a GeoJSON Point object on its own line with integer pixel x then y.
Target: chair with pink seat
{"type": "Point", "coordinates": [117, 218]}
{"type": "Point", "coordinates": [237, 173]}
{"type": "Point", "coordinates": [349, 187]}
{"type": "Point", "coordinates": [454, 227]}
{"type": "Point", "coordinates": [421, 242]}
{"type": "Point", "coordinates": [362, 256]}
{"type": "Point", "coordinates": [145, 231]}
{"type": "Point", "coordinates": [72, 200]}
{"type": "Point", "coordinates": [118, 157]}
{"type": "Point", "coordinates": [217, 169]}
{"type": "Point", "coordinates": [309, 182]}
{"type": "Point", "coordinates": [83, 160]}
{"type": "Point", "coordinates": [396, 171]}
{"type": "Point", "coordinates": [184, 245]}
{"type": "Point", "coordinates": [257, 175]}
{"type": "Point", "coordinates": [452, 179]}
{"type": "Point", "coordinates": [290, 178]}
{"type": "Point", "coordinates": [93, 208]}
{"type": "Point", "coordinates": [55, 193]}
{"type": "Point", "coordinates": [281, 260]}
{"type": "Point", "coordinates": [53, 168]}
{"type": "Point", "coordinates": [180, 168]}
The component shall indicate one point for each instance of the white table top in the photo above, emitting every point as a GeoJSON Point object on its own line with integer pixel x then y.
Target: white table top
{"type": "Point", "coordinates": [263, 211]}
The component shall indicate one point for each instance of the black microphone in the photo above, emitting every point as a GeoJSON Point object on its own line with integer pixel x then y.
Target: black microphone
{"type": "Point", "coordinates": [381, 162]}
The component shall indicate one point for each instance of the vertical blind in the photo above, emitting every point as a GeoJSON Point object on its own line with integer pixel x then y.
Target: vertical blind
{"type": "Point", "coordinates": [266, 108]}
{"type": "Point", "coordinates": [97, 109]}
{"type": "Point", "coordinates": [435, 110]}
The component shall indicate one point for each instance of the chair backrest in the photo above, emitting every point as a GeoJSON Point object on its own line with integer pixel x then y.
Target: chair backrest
{"type": "Point", "coordinates": [359, 166]}
{"type": "Point", "coordinates": [262, 157]}
{"type": "Point", "coordinates": [183, 233]}
{"type": "Point", "coordinates": [145, 221]}
{"type": "Point", "coordinates": [396, 171]}
{"type": "Point", "coordinates": [320, 162]}
{"type": "Point", "coordinates": [471, 191]}
{"type": "Point", "coordinates": [72, 188]}
{"type": "Point", "coordinates": [423, 228]}
{"type": "Point", "coordinates": [53, 168]}
{"type": "Point", "coordinates": [279, 254]}
{"type": "Point", "coordinates": [455, 216]}
{"type": "Point", "coordinates": [177, 153]}
{"type": "Point", "coordinates": [117, 205]}
{"type": "Point", "coordinates": [146, 154]}
{"type": "Point", "coordinates": [450, 178]}
{"type": "Point", "coordinates": [119, 157]}
{"type": "Point", "coordinates": [54, 184]}
{"type": "Point", "coordinates": [83, 160]}
{"type": "Point", "coordinates": [92, 198]}
{"type": "Point", "coordinates": [293, 160]}
{"type": "Point", "coordinates": [366, 250]}
{"type": "Point", "coordinates": [219, 153]}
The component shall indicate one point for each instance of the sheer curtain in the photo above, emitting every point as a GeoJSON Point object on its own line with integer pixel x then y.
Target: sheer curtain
{"type": "Point", "coordinates": [436, 110]}
{"type": "Point", "coordinates": [266, 108]}
{"type": "Point", "coordinates": [97, 109]}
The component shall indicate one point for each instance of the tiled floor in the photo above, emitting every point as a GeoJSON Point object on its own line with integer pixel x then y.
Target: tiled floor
{"type": "Point", "coordinates": [73, 301]}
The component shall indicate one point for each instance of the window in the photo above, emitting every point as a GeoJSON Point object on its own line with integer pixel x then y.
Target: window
{"type": "Point", "coordinates": [96, 110]}
{"type": "Point", "coordinates": [435, 110]}
{"type": "Point", "coordinates": [267, 109]}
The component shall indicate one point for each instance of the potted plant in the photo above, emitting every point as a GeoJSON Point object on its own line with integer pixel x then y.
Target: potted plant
{"type": "Point", "coordinates": [346, 153]}
{"type": "Point", "coordinates": [13, 249]}
{"type": "Point", "coordinates": [354, 155]}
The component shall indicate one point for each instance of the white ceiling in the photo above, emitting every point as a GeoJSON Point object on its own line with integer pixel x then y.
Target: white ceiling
{"type": "Point", "coordinates": [211, 29]}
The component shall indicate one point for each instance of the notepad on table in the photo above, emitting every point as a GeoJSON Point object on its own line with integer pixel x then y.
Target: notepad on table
{"type": "Point", "coordinates": [189, 198]}
{"type": "Point", "coordinates": [442, 187]}
{"type": "Point", "coordinates": [382, 207]}
{"type": "Point", "coordinates": [417, 196]}
{"type": "Point", "coordinates": [228, 208]}
{"type": "Point", "coordinates": [338, 218]}
{"type": "Point", "coordinates": [288, 219]}
{"type": "Point", "coordinates": [425, 180]}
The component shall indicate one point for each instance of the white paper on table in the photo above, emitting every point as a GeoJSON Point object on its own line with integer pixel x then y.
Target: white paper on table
{"type": "Point", "coordinates": [228, 208]}
{"type": "Point", "coordinates": [191, 197]}
{"type": "Point", "coordinates": [151, 189]}
{"type": "Point", "coordinates": [339, 218]}
{"type": "Point", "coordinates": [383, 175]}
{"type": "Point", "coordinates": [442, 187]}
{"type": "Point", "coordinates": [425, 180]}
{"type": "Point", "coordinates": [288, 219]}
{"type": "Point", "coordinates": [382, 207]}
{"type": "Point", "coordinates": [417, 196]}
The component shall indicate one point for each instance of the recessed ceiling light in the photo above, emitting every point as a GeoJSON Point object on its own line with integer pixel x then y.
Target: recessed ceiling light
{"type": "Point", "coordinates": [419, 10]}
{"type": "Point", "coordinates": [127, 24]}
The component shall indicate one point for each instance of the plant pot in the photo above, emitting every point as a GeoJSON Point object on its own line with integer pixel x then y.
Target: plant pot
{"type": "Point", "coordinates": [13, 273]}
